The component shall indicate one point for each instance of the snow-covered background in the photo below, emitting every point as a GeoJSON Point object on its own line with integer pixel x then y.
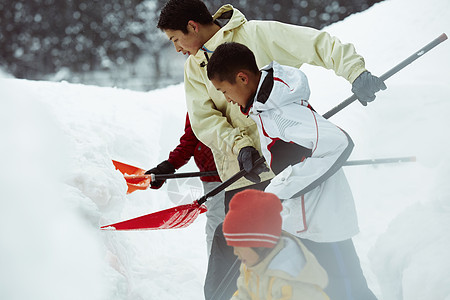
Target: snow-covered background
{"type": "Point", "coordinates": [58, 185]}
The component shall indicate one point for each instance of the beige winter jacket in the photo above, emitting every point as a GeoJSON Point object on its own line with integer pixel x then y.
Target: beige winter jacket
{"type": "Point", "coordinates": [289, 272]}
{"type": "Point", "coordinates": [221, 125]}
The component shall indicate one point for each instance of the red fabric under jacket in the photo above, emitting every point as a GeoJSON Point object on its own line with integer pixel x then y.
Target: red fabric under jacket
{"type": "Point", "coordinates": [190, 146]}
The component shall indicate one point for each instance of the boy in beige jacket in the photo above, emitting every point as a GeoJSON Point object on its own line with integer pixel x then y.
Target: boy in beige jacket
{"type": "Point", "coordinates": [275, 264]}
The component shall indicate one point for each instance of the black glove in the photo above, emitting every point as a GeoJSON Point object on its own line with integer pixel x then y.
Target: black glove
{"type": "Point", "coordinates": [365, 86]}
{"type": "Point", "coordinates": [163, 168]}
{"type": "Point", "coordinates": [246, 158]}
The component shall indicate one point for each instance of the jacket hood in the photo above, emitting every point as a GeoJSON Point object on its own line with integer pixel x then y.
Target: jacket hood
{"type": "Point", "coordinates": [280, 86]}
{"type": "Point", "coordinates": [291, 260]}
{"type": "Point", "coordinates": [229, 18]}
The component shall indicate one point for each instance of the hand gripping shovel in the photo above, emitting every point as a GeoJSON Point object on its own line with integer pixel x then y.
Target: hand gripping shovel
{"type": "Point", "coordinates": [176, 217]}
{"type": "Point", "coordinates": [137, 179]}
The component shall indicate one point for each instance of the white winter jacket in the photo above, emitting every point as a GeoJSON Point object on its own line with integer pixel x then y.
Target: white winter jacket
{"type": "Point", "coordinates": [318, 203]}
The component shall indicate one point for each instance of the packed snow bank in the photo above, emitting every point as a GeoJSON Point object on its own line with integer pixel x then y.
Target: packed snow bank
{"type": "Point", "coordinates": [47, 248]}
{"type": "Point", "coordinates": [59, 185]}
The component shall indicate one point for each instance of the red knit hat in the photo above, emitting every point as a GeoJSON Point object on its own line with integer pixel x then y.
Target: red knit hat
{"type": "Point", "coordinates": [253, 220]}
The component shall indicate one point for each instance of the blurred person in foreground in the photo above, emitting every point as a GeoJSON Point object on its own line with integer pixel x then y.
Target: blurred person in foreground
{"type": "Point", "coordinates": [275, 264]}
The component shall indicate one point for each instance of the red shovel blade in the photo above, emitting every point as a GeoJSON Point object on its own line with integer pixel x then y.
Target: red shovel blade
{"type": "Point", "coordinates": [175, 217]}
{"type": "Point", "coordinates": [134, 176]}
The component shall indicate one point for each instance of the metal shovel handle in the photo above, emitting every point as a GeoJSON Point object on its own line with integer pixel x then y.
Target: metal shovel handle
{"type": "Point", "coordinates": [389, 73]}
{"type": "Point", "coordinates": [155, 177]}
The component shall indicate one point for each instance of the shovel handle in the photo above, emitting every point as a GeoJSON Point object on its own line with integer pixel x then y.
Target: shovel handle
{"type": "Point", "coordinates": [389, 73]}
{"type": "Point", "coordinates": [380, 161]}
{"type": "Point", "coordinates": [182, 175]}
{"type": "Point", "coordinates": [155, 177]}
{"type": "Point", "coordinates": [228, 182]}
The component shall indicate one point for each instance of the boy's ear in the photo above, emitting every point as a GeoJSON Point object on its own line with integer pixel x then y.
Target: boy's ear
{"type": "Point", "coordinates": [192, 25]}
{"type": "Point", "coordinates": [242, 77]}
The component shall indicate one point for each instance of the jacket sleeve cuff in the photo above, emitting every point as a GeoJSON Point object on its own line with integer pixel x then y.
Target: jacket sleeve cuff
{"type": "Point", "coordinates": [355, 73]}
{"type": "Point", "coordinates": [241, 143]}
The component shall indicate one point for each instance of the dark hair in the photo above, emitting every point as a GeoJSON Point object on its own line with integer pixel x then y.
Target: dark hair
{"type": "Point", "coordinates": [230, 58]}
{"type": "Point", "coordinates": [176, 14]}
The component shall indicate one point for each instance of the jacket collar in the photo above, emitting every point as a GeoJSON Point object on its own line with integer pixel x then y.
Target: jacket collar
{"type": "Point", "coordinates": [266, 87]}
{"type": "Point", "coordinates": [246, 110]}
{"type": "Point", "coordinates": [235, 19]}
{"type": "Point", "coordinates": [288, 248]}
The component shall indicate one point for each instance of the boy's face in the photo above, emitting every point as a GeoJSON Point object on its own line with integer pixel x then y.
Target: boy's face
{"type": "Point", "coordinates": [247, 255]}
{"type": "Point", "coordinates": [239, 92]}
{"type": "Point", "coordinates": [187, 43]}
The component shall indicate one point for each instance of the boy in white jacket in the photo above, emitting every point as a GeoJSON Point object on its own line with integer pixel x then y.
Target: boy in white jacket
{"type": "Point", "coordinates": [306, 152]}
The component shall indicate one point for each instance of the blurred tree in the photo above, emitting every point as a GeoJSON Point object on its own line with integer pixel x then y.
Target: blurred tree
{"type": "Point", "coordinates": [154, 41]}
{"type": "Point", "coordinates": [39, 37]}
{"type": "Point", "coordinates": [42, 36]}
{"type": "Point", "coordinates": [312, 13]}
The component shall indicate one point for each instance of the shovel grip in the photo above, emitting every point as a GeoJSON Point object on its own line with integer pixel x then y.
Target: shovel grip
{"type": "Point", "coordinates": [228, 182]}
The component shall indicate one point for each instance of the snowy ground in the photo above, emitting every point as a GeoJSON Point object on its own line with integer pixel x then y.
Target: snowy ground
{"type": "Point", "coordinates": [58, 184]}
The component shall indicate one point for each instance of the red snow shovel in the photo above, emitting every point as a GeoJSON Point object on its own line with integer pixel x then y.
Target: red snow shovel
{"type": "Point", "coordinates": [137, 179]}
{"type": "Point", "coordinates": [176, 217]}
{"type": "Point", "coordinates": [179, 216]}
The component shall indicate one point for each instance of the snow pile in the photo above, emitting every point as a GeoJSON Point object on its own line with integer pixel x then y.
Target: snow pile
{"type": "Point", "coordinates": [47, 248]}
{"type": "Point", "coordinates": [58, 184]}
{"type": "Point", "coordinates": [61, 186]}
